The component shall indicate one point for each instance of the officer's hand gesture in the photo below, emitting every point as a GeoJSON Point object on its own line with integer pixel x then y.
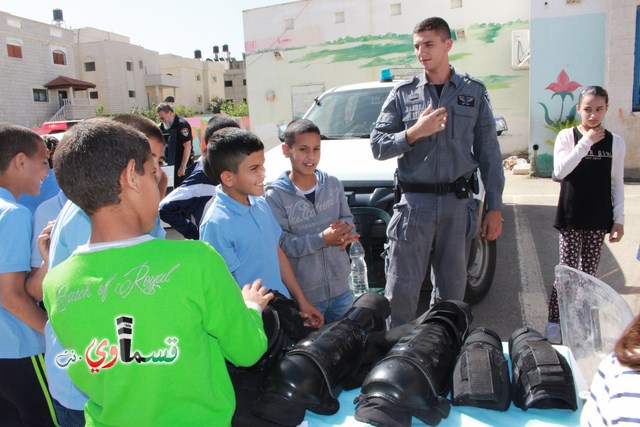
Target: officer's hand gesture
{"type": "Point", "coordinates": [430, 121]}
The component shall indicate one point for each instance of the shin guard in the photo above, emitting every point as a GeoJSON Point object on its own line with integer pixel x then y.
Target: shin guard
{"type": "Point", "coordinates": [309, 375]}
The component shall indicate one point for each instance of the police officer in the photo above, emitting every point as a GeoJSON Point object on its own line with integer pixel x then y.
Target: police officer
{"type": "Point", "coordinates": [178, 133]}
{"type": "Point", "coordinates": [440, 126]}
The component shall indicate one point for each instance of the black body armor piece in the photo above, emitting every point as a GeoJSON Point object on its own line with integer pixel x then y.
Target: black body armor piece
{"type": "Point", "coordinates": [481, 374]}
{"type": "Point", "coordinates": [309, 376]}
{"type": "Point", "coordinates": [413, 379]}
{"type": "Point", "coordinates": [542, 377]}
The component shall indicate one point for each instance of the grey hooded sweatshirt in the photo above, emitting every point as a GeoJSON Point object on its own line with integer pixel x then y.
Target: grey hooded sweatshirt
{"type": "Point", "coordinates": [322, 271]}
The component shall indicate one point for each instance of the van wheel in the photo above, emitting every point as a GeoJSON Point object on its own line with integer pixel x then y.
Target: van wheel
{"type": "Point", "coordinates": [480, 270]}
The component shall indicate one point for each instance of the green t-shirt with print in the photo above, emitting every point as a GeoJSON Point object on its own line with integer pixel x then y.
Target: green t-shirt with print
{"type": "Point", "coordinates": [148, 328]}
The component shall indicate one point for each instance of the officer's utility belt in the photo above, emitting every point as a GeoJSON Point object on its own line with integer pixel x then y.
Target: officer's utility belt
{"type": "Point", "coordinates": [461, 187]}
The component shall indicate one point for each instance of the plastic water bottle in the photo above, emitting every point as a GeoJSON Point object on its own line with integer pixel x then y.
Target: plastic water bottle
{"type": "Point", "coordinates": [358, 277]}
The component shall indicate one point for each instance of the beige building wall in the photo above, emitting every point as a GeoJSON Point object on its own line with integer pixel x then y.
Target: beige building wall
{"type": "Point", "coordinates": [19, 76]}
{"type": "Point", "coordinates": [236, 74]}
{"type": "Point", "coordinates": [120, 69]}
{"type": "Point", "coordinates": [199, 80]}
{"type": "Point", "coordinates": [619, 69]}
{"type": "Point", "coordinates": [297, 50]}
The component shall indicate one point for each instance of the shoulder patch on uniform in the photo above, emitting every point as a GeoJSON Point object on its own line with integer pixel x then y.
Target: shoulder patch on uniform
{"type": "Point", "coordinates": [474, 79]}
{"type": "Point", "coordinates": [466, 100]}
{"type": "Point", "coordinates": [184, 131]}
{"type": "Point", "coordinates": [405, 82]}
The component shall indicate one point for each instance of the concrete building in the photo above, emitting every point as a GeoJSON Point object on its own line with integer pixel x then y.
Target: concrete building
{"type": "Point", "coordinates": [235, 82]}
{"type": "Point", "coordinates": [49, 72]}
{"type": "Point", "coordinates": [197, 82]}
{"type": "Point", "coordinates": [32, 55]}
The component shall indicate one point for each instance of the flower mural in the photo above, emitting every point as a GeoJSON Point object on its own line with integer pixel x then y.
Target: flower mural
{"type": "Point", "coordinates": [562, 87]}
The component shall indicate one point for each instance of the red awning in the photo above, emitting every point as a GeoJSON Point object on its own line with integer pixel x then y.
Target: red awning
{"type": "Point", "coordinates": [62, 82]}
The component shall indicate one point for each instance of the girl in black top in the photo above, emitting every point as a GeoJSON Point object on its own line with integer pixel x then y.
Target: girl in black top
{"type": "Point", "coordinates": [590, 162]}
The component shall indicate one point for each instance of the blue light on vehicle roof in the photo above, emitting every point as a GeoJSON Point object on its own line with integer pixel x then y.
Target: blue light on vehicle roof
{"type": "Point", "coordinates": [385, 75]}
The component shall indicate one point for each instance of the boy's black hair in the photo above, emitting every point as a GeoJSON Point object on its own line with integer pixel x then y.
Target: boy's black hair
{"type": "Point", "coordinates": [298, 127]}
{"type": "Point", "coordinates": [51, 142]}
{"type": "Point", "coordinates": [16, 139]}
{"type": "Point", "coordinates": [143, 124]}
{"type": "Point", "coordinates": [227, 148]}
{"type": "Point", "coordinates": [436, 24]}
{"type": "Point", "coordinates": [91, 157]}
{"type": "Point", "coordinates": [215, 124]}
{"type": "Point", "coordinates": [595, 91]}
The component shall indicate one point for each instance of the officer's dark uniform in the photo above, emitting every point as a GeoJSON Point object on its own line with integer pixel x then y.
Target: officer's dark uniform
{"type": "Point", "coordinates": [175, 138]}
{"type": "Point", "coordinates": [430, 213]}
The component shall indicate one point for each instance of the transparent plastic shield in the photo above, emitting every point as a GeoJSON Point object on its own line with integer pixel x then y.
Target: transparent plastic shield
{"type": "Point", "coordinates": [592, 317]}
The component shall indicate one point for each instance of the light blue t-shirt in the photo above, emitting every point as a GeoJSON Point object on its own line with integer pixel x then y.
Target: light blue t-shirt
{"type": "Point", "coordinates": [48, 189]}
{"type": "Point", "coordinates": [247, 237]}
{"type": "Point", "coordinates": [72, 229]}
{"type": "Point", "coordinates": [17, 340]}
{"type": "Point", "coordinates": [47, 211]}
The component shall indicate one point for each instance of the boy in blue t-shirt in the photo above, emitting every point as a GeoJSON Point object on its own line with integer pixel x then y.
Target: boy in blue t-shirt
{"type": "Point", "coordinates": [240, 225]}
{"type": "Point", "coordinates": [24, 398]}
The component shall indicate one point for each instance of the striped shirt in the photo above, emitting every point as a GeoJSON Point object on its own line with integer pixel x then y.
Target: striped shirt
{"type": "Point", "coordinates": [614, 397]}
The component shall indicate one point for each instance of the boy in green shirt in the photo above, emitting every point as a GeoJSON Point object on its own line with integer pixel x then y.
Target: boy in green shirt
{"type": "Point", "coordinates": [147, 323]}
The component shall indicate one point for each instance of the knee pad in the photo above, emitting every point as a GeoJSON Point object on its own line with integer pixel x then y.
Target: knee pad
{"type": "Point", "coordinates": [310, 374]}
{"type": "Point", "coordinates": [414, 377]}
{"type": "Point", "coordinates": [542, 377]}
{"type": "Point", "coordinates": [481, 374]}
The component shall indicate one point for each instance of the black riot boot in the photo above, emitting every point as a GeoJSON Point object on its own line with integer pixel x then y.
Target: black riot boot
{"type": "Point", "coordinates": [413, 379]}
{"type": "Point", "coordinates": [310, 375]}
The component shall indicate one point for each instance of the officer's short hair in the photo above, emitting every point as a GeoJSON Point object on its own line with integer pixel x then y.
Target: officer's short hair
{"type": "Point", "coordinates": [436, 24]}
{"type": "Point", "coordinates": [164, 106]}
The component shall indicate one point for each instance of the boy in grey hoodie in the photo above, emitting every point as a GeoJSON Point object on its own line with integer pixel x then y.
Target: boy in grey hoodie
{"type": "Point", "coordinates": [316, 222]}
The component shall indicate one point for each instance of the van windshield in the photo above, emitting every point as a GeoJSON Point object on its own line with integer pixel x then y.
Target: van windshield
{"type": "Point", "coordinates": [348, 114]}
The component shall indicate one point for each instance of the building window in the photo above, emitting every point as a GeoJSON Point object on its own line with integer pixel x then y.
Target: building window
{"type": "Point", "coordinates": [140, 64]}
{"type": "Point", "coordinates": [40, 95]}
{"type": "Point", "coordinates": [59, 57]}
{"type": "Point", "coordinates": [132, 94]}
{"type": "Point", "coordinates": [244, 82]}
{"type": "Point", "coordinates": [214, 79]}
{"type": "Point", "coordinates": [288, 24]}
{"type": "Point", "coordinates": [339, 17]}
{"type": "Point", "coordinates": [395, 9]}
{"type": "Point", "coordinates": [14, 51]}
{"type": "Point", "coordinates": [15, 23]}
{"type": "Point", "coordinates": [199, 99]}
{"type": "Point", "coordinates": [129, 66]}
{"type": "Point", "coordinates": [228, 83]}
{"type": "Point", "coordinates": [198, 77]}
{"type": "Point", "coordinates": [636, 70]}
{"type": "Point", "coordinates": [90, 66]}
{"type": "Point", "coordinates": [93, 95]}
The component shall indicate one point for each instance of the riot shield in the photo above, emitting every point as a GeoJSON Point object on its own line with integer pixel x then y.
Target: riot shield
{"type": "Point", "coordinates": [592, 317]}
